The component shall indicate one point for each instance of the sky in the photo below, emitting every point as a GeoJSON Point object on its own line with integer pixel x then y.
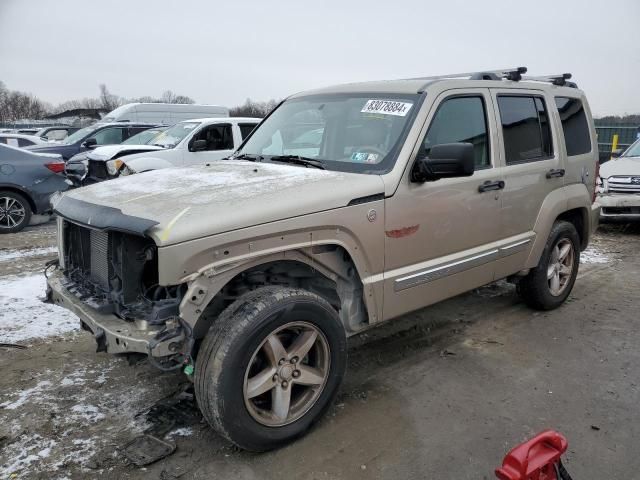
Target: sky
{"type": "Point", "coordinates": [224, 52]}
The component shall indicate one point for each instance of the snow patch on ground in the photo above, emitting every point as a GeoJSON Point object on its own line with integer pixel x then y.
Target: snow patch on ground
{"type": "Point", "coordinates": [89, 413]}
{"type": "Point", "coordinates": [593, 255]}
{"type": "Point", "coordinates": [23, 315]}
{"type": "Point", "coordinates": [25, 395]}
{"type": "Point", "coordinates": [76, 403]}
{"type": "Point", "coordinates": [30, 449]}
{"type": "Point", "coordinates": [11, 255]}
{"type": "Point", "coordinates": [181, 432]}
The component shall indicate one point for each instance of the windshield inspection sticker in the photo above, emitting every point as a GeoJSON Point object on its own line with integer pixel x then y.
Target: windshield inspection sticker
{"type": "Point", "coordinates": [364, 157]}
{"type": "Point", "coordinates": [387, 107]}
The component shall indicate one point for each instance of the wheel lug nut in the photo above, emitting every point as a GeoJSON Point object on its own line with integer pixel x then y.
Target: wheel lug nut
{"type": "Point", "coordinates": [294, 360]}
{"type": "Point", "coordinates": [281, 362]}
{"type": "Point", "coordinates": [285, 384]}
{"type": "Point", "coordinates": [296, 373]}
{"type": "Point", "coordinates": [275, 378]}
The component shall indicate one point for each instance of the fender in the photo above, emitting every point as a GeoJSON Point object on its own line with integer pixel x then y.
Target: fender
{"type": "Point", "coordinates": [556, 203]}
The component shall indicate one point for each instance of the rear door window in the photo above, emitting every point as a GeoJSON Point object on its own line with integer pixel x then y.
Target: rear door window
{"type": "Point", "coordinates": [525, 128]}
{"type": "Point", "coordinates": [574, 125]}
{"type": "Point", "coordinates": [23, 142]}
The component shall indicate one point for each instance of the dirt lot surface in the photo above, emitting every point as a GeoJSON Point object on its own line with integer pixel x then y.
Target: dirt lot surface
{"type": "Point", "coordinates": [442, 393]}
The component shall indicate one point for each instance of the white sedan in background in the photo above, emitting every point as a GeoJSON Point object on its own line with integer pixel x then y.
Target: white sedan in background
{"type": "Point", "coordinates": [21, 140]}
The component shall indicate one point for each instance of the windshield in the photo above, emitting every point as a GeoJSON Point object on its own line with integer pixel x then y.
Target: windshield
{"type": "Point", "coordinates": [174, 135]}
{"type": "Point", "coordinates": [354, 133]}
{"type": "Point", "coordinates": [80, 134]}
{"type": "Point", "coordinates": [144, 138]}
{"type": "Point", "coordinates": [633, 150]}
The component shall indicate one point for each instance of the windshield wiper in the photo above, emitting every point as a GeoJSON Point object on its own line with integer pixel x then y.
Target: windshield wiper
{"type": "Point", "coordinates": [246, 156]}
{"type": "Point", "coordinates": [298, 160]}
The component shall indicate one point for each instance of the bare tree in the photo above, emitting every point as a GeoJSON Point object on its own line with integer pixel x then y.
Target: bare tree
{"type": "Point", "coordinates": [16, 105]}
{"type": "Point", "coordinates": [254, 109]}
{"type": "Point", "coordinates": [169, 96]}
{"type": "Point", "coordinates": [108, 100]}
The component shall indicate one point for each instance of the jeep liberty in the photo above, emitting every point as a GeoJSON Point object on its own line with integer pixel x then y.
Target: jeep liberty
{"type": "Point", "coordinates": [346, 207]}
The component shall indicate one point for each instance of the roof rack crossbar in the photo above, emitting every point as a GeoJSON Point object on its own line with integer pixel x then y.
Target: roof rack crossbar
{"type": "Point", "coordinates": [559, 79]}
{"type": "Point", "coordinates": [511, 73]}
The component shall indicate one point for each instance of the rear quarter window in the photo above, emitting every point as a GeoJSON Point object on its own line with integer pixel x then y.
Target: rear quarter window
{"type": "Point", "coordinates": [574, 125]}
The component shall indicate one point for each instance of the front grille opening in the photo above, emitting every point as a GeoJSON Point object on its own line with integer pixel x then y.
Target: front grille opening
{"type": "Point", "coordinates": [117, 273]}
{"type": "Point", "coordinates": [621, 210]}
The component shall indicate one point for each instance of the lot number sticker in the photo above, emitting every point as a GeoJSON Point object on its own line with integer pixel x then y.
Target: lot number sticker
{"type": "Point", "coordinates": [387, 107]}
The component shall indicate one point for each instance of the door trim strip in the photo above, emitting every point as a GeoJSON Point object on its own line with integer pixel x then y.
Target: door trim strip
{"type": "Point", "coordinates": [514, 247]}
{"type": "Point", "coordinates": [445, 270]}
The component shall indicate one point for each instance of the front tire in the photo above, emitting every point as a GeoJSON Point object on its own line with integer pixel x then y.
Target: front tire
{"type": "Point", "coordinates": [270, 367]}
{"type": "Point", "coordinates": [549, 284]}
{"type": "Point", "coordinates": [15, 212]}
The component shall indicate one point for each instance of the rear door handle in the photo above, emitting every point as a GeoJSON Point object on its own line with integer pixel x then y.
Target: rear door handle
{"type": "Point", "coordinates": [489, 185]}
{"type": "Point", "coordinates": [555, 172]}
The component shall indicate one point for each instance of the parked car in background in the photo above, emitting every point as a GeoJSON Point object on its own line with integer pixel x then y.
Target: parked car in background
{"type": "Point", "coordinates": [56, 133]}
{"type": "Point", "coordinates": [186, 143]}
{"type": "Point", "coordinates": [250, 273]}
{"type": "Point", "coordinates": [76, 166]}
{"type": "Point", "coordinates": [90, 137]}
{"type": "Point", "coordinates": [27, 181]}
{"type": "Point", "coordinates": [21, 140]}
{"type": "Point", "coordinates": [165, 113]}
{"type": "Point", "coordinates": [28, 130]}
{"type": "Point", "coordinates": [619, 186]}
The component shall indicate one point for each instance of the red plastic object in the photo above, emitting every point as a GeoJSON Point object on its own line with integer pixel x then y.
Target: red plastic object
{"type": "Point", "coordinates": [535, 459]}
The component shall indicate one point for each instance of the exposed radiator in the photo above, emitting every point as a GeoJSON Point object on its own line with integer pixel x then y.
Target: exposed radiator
{"type": "Point", "coordinates": [100, 258]}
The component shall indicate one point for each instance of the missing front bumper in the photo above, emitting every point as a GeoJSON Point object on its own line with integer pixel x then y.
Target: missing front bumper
{"type": "Point", "coordinates": [115, 335]}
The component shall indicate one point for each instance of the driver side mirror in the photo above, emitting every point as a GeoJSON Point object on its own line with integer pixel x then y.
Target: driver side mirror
{"type": "Point", "coordinates": [90, 143]}
{"type": "Point", "coordinates": [199, 145]}
{"type": "Point", "coordinates": [446, 160]}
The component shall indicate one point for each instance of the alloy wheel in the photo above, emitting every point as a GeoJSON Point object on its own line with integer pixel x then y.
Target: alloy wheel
{"type": "Point", "coordinates": [12, 212]}
{"type": "Point", "coordinates": [286, 374]}
{"type": "Point", "coordinates": [561, 265]}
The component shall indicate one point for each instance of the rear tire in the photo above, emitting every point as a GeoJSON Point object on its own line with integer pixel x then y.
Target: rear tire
{"type": "Point", "coordinates": [15, 212]}
{"type": "Point", "coordinates": [549, 284]}
{"type": "Point", "coordinates": [270, 367]}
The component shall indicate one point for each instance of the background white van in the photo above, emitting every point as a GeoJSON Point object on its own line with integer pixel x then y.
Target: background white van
{"type": "Point", "coordinates": [164, 113]}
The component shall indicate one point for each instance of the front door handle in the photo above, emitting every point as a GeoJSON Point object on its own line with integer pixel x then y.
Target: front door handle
{"type": "Point", "coordinates": [555, 173]}
{"type": "Point", "coordinates": [489, 185]}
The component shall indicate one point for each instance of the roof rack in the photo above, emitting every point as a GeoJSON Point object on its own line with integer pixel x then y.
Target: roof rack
{"type": "Point", "coordinates": [560, 79]}
{"type": "Point", "coordinates": [514, 74]}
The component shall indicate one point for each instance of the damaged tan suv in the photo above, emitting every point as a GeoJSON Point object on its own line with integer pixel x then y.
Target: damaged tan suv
{"type": "Point", "coordinates": [346, 207]}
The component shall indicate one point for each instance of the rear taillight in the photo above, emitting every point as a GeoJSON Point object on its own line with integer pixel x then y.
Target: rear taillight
{"type": "Point", "coordinates": [596, 178]}
{"type": "Point", "coordinates": [55, 167]}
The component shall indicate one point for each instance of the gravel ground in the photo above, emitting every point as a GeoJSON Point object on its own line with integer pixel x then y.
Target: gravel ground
{"type": "Point", "coordinates": [441, 393]}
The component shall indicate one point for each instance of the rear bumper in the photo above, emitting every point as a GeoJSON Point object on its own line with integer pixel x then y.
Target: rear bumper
{"type": "Point", "coordinates": [621, 207]}
{"type": "Point", "coordinates": [113, 334]}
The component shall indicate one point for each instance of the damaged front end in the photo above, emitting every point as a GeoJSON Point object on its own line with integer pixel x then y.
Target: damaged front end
{"type": "Point", "coordinates": [109, 278]}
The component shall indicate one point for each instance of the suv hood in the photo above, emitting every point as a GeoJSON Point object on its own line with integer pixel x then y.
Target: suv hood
{"type": "Point", "coordinates": [179, 204]}
{"type": "Point", "coordinates": [112, 151]}
{"type": "Point", "coordinates": [620, 166]}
